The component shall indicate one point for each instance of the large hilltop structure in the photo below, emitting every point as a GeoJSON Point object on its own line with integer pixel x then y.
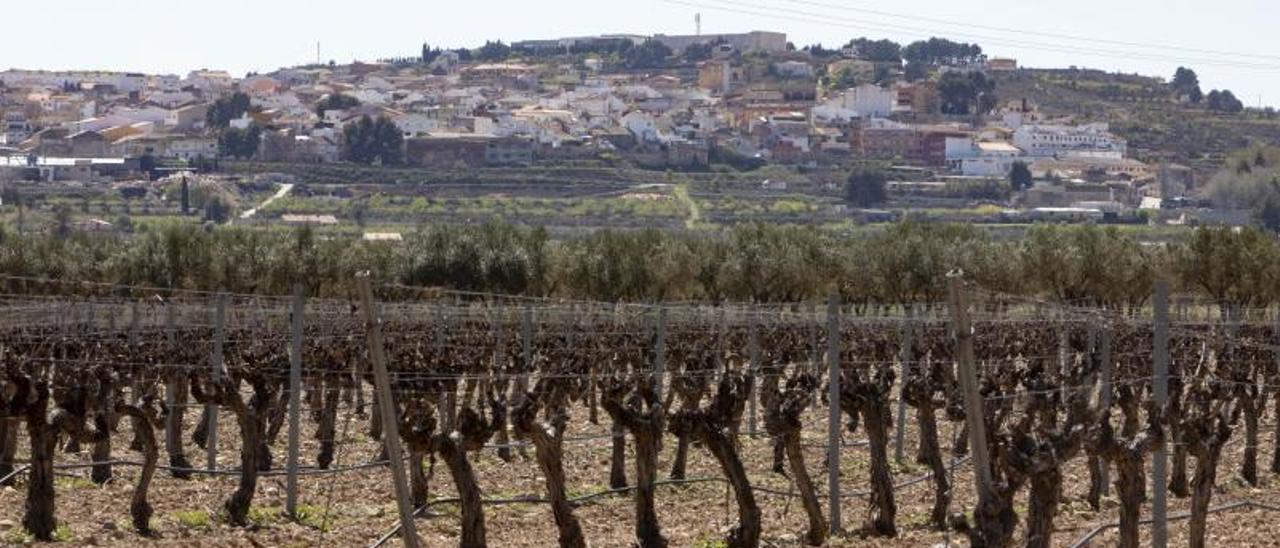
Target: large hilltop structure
{"type": "Point", "coordinates": [749, 41]}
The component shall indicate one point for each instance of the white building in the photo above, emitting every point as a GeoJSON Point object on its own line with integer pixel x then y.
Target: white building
{"type": "Point", "coordinates": [190, 148]}
{"type": "Point", "coordinates": [211, 80]}
{"type": "Point", "coordinates": [641, 125]}
{"type": "Point", "coordinates": [981, 159]}
{"type": "Point", "coordinates": [16, 128]}
{"type": "Point", "coordinates": [414, 124]}
{"type": "Point", "coordinates": [865, 101]}
{"type": "Point", "coordinates": [1053, 141]}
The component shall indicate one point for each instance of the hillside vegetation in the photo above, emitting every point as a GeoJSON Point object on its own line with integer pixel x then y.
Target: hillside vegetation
{"type": "Point", "coordinates": [1143, 110]}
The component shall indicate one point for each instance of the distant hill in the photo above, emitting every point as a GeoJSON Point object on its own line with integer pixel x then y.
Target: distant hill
{"type": "Point", "coordinates": [1142, 110]}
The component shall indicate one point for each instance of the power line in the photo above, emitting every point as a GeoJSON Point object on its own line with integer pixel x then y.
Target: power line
{"type": "Point", "coordinates": [890, 27]}
{"type": "Point", "coordinates": [1027, 32]}
{"type": "Point", "coordinates": [831, 20]}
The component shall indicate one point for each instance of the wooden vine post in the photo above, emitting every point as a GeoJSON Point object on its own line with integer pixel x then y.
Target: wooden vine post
{"type": "Point", "coordinates": [908, 326]}
{"type": "Point", "coordinates": [1108, 377]}
{"type": "Point", "coordinates": [962, 330]}
{"type": "Point", "coordinates": [171, 436]}
{"type": "Point", "coordinates": [753, 347]}
{"type": "Point", "coordinates": [660, 353]}
{"type": "Point", "coordinates": [295, 400]}
{"type": "Point", "coordinates": [833, 410]}
{"type": "Point", "coordinates": [386, 406]}
{"type": "Point", "coordinates": [1160, 381]}
{"type": "Point", "coordinates": [219, 368]}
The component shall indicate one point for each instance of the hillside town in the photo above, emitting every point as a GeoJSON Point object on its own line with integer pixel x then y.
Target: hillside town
{"type": "Point", "coordinates": [682, 103]}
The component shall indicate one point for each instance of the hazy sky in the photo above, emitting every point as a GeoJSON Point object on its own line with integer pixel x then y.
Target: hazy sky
{"type": "Point", "coordinates": [1230, 43]}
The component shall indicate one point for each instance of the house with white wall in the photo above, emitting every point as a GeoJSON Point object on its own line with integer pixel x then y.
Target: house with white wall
{"type": "Point", "coordinates": [1044, 141]}
{"type": "Point", "coordinates": [981, 158]}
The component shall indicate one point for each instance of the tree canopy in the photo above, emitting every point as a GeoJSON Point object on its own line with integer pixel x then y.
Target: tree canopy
{"type": "Point", "coordinates": [1224, 101]}
{"type": "Point", "coordinates": [866, 187]}
{"type": "Point", "coordinates": [940, 51]}
{"type": "Point", "coordinates": [493, 51]}
{"type": "Point", "coordinates": [369, 141]}
{"type": "Point", "coordinates": [960, 92]}
{"type": "Point", "coordinates": [1020, 177]}
{"type": "Point", "coordinates": [225, 109]}
{"type": "Point", "coordinates": [1250, 179]}
{"type": "Point", "coordinates": [877, 51]}
{"type": "Point", "coordinates": [1187, 84]}
{"type": "Point", "coordinates": [651, 54]}
{"type": "Point", "coordinates": [904, 262]}
{"type": "Point", "coordinates": [240, 143]}
{"type": "Point", "coordinates": [335, 101]}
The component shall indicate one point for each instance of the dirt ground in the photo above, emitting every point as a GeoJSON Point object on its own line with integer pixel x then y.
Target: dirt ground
{"type": "Point", "coordinates": [360, 506]}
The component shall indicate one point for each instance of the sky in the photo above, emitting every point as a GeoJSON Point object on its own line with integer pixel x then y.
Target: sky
{"type": "Point", "coordinates": [1230, 43]}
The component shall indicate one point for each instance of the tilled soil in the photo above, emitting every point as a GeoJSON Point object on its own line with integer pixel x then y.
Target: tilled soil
{"type": "Point", "coordinates": [360, 504]}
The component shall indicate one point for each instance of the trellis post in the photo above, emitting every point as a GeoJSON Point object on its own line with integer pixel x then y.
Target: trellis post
{"type": "Point", "coordinates": [526, 350]}
{"type": "Point", "coordinates": [172, 441]}
{"type": "Point", "coordinates": [1108, 374]}
{"type": "Point", "coordinates": [905, 356]}
{"type": "Point", "coordinates": [962, 330]}
{"type": "Point", "coordinates": [295, 399]}
{"type": "Point", "coordinates": [833, 409]}
{"type": "Point", "coordinates": [814, 359]}
{"type": "Point", "coordinates": [216, 363]}
{"type": "Point", "coordinates": [450, 404]}
{"type": "Point", "coordinates": [386, 406]}
{"type": "Point", "coordinates": [660, 353]}
{"type": "Point", "coordinates": [753, 347]}
{"type": "Point", "coordinates": [1160, 382]}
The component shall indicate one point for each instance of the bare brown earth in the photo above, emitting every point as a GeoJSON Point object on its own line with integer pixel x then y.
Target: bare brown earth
{"type": "Point", "coordinates": [360, 505]}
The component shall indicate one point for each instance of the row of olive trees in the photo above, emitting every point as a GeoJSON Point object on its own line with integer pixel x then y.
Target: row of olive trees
{"type": "Point", "coordinates": [907, 262]}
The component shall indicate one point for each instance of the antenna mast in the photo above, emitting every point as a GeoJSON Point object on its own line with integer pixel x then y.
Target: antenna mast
{"type": "Point", "coordinates": [697, 22]}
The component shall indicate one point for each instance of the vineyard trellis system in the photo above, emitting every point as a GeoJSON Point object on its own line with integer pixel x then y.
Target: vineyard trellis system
{"type": "Point", "coordinates": [1030, 385]}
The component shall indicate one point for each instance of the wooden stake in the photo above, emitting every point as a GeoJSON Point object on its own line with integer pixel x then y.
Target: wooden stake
{"type": "Point", "coordinates": [753, 344]}
{"type": "Point", "coordinates": [1108, 374]}
{"type": "Point", "coordinates": [386, 405]}
{"type": "Point", "coordinates": [973, 406]}
{"type": "Point", "coordinates": [295, 400]}
{"type": "Point", "coordinates": [904, 357]}
{"type": "Point", "coordinates": [172, 441]}
{"type": "Point", "coordinates": [1160, 459]}
{"type": "Point", "coordinates": [219, 369]}
{"type": "Point", "coordinates": [833, 410]}
{"type": "Point", "coordinates": [660, 353]}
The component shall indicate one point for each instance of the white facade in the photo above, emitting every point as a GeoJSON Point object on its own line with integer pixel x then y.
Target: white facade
{"type": "Point", "coordinates": [16, 128]}
{"type": "Point", "coordinates": [987, 166]}
{"type": "Point", "coordinates": [641, 125]}
{"type": "Point", "coordinates": [865, 101]}
{"type": "Point", "coordinates": [211, 80]}
{"type": "Point", "coordinates": [981, 159]}
{"type": "Point", "coordinates": [171, 99]}
{"type": "Point", "coordinates": [1047, 141]}
{"type": "Point", "coordinates": [194, 147]}
{"type": "Point", "coordinates": [415, 124]}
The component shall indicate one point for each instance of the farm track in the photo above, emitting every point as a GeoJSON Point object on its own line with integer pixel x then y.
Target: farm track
{"type": "Point", "coordinates": [285, 189]}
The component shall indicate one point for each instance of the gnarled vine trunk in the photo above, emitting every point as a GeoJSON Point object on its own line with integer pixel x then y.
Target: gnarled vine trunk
{"type": "Point", "coordinates": [1202, 491]}
{"type": "Point", "coordinates": [179, 396]}
{"type": "Point", "coordinates": [42, 429]}
{"type": "Point", "coordinates": [139, 509]}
